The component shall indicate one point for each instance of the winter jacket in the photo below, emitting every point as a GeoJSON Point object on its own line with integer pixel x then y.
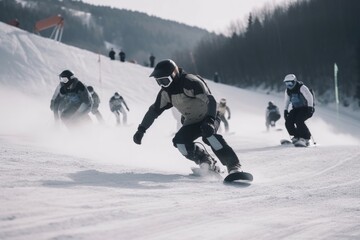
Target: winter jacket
{"type": "Point", "coordinates": [96, 100]}
{"type": "Point", "coordinates": [272, 110]}
{"type": "Point", "coordinates": [299, 96]}
{"type": "Point", "coordinates": [189, 94]}
{"type": "Point", "coordinates": [222, 109]}
{"type": "Point", "coordinates": [74, 100]}
{"type": "Point", "coordinates": [117, 103]}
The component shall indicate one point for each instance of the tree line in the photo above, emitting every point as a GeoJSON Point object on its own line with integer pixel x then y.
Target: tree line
{"type": "Point", "coordinates": [305, 38]}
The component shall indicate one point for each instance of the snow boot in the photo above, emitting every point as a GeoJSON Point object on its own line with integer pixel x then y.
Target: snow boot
{"type": "Point", "coordinates": [210, 164]}
{"type": "Point", "coordinates": [234, 169]}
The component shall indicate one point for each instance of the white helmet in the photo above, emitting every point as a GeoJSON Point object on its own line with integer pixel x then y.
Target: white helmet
{"type": "Point", "coordinates": [290, 81]}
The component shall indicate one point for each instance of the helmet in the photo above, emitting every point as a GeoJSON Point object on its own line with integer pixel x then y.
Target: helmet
{"type": "Point", "coordinates": [290, 77]}
{"type": "Point", "coordinates": [271, 103]}
{"type": "Point", "coordinates": [223, 101]}
{"type": "Point", "coordinates": [116, 95]}
{"type": "Point", "coordinates": [164, 68]}
{"type": "Point", "coordinates": [66, 75]}
{"type": "Point", "coordinates": [90, 88]}
{"type": "Point", "coordinates": [290, 81]}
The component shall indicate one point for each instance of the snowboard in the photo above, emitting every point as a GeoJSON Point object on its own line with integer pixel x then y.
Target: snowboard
{"type": "Point", "coordinates": [244, 177]}
{"type": "Point", "coordinates": [288, 142]}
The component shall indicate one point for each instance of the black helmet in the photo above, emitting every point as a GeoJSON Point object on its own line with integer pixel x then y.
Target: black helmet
{"type": "Point", "coordinates": [90, 88]}
{"type": "Point", "coordinates": [271, 103]}
{"type": "Point", "coordinates": [164, 68]}
{"type": "Point", "coordinates": [66, 75]}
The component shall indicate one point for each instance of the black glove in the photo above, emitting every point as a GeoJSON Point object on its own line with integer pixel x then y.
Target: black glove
{"type": "Point", "coordinates": [207, 127]}
{"type": "Point", "coordinates": [128, 109]}
{"type": "Point", "coordinates": [286, 114]}
{"type": "Point", "coordinates": [139, 135]}
{"type": "Point", "coordinates": [310, 111]}
{"type": "Point", "coordinates": [228, 118]}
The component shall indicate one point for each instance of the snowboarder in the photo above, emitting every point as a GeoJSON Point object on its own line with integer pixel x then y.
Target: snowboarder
{"type": "Point", "coordinates": [302, 102]}
{"type": "Point", "coordinates": [190, 95]}
{"type": "Point", "coordinates": [71, 101]}
{"type": "Point", "coordinates": [116, 106]}
{"type": "Point", "coordinates": [272, 114]}
{"type": "Point", "coordinates": [96, 103]}
{"type": "Point", "coordinates": [222, 108]}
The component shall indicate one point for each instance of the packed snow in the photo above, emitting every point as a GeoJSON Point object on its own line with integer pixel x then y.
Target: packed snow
{"type": "Point", "coordinates": [95, 183]}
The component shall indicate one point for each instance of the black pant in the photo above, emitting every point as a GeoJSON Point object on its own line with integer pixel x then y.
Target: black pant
{"type": "Point", "coordinates": [295, 123]}
{"type": "Point", "coordinates": [185, 137]}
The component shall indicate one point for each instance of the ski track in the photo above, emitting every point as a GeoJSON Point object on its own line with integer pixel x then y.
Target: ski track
{"type": "Point", "coordinates": [82, 199]}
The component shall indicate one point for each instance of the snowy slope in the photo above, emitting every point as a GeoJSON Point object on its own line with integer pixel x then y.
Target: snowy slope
{"type": "Point", "coordinates": [97, 184]}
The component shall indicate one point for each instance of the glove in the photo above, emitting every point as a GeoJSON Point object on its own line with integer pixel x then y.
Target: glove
{"type": "Point", "coordinates": [128, 109]}
{"type": "Point", "coordinates": [139, 135]}
{"type": "Point", "coordinates": [207, 127]}
{"type": "Point", "coordinates": [286, 114]}
{"type": "Point", "coordinates": [228, 118]}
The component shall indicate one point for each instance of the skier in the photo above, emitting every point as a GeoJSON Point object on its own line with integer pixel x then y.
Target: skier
{"type": "Point", "coordinates": [190, 95]}
{"type": "Point", "coordinates": [272, 114]}
{"type": "Point", "coordinates": [71, 101]}
{"type": "Point", "coordinates": [302, 102]}
{"type": "Point", "coordinates": [122, 55]}
{"type": "Point", "coordinates": [116, 106]}
{"type": "Point", "coordinates": [222, 108]}
{"type": "Point", "coordinates": [112, 54]}
{"type": "Point", "coordinates": [152, 60]}
{"type": "Point", "coordinates": [95, 106]}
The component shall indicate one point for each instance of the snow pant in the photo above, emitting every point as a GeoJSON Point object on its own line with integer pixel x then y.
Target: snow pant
{"type": "Point", "coordinates": [117, 115]}
{"type": "Point", "coordinates": [76, 121]}
{"type": "Point", "coordinates": [273, 117]}
{"type": "Point", "coordinates": [184, 142]}
{"type": "Point", "coordinates": [98, 115]}
{"type": "Point", "coordinates": [295, 123]}
{"type": "Point", "coordinates": [72, 119]}
{"type": "Point", "coordinates": [226, 123]}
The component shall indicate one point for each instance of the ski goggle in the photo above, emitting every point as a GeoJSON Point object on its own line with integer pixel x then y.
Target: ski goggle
{"type": "Point", "coordinates": [290, 84]}
{"type": "Point", "coordinates": [164, 81]}
{"type": "Point", "coordinates": [63, 79]}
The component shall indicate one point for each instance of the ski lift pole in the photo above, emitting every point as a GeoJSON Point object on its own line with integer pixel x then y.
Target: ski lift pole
{"type": "Point", "coordinates": [99, 61]}
{"type": "Point", "coordinates": [336, 90]}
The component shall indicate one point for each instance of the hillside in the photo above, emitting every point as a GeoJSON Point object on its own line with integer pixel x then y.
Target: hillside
{"type": "Point", "coordinates": [98, 28]}
{"type": "Point", "coordinates": [96, 183]}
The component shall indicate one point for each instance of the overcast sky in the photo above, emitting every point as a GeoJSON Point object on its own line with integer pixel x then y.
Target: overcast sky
{"type": "Point", "coordinates": [213, 15]}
